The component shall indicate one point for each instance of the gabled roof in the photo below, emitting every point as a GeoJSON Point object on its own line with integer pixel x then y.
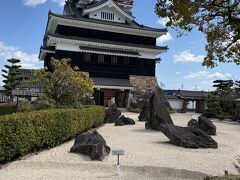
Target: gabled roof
{"type": "Point", "coordinates": [103, 3]}
{"type": "Point", "coordinates": [131, 25]}
{"type": "Point", "coordinates": [184, 94]}
{"type": "Point", "coordinates": [111, 83]}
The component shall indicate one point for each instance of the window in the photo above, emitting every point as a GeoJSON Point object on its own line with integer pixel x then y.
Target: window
{"type": "Point", "coordinates": [107, 16]}
{"type": "Point", "coordinates": [114, 59]}
{"type": "Point", "coordinates": [87, 57]}
{"type": "Point", "coordinates": [101, 58]}
{"type": "Point", "coordinates": [126, 60]}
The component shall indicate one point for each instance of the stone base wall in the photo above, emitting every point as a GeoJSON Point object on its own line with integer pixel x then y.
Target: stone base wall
{"type": "Point", "coordinates": [144, 83]}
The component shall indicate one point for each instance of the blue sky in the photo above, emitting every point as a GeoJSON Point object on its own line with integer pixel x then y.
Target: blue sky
{"type": "Point", "coordinates": [23, 22]}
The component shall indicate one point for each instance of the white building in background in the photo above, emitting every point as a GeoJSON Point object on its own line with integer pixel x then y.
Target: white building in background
{"type": "Point", "coordinates": [3, 97]}
{"type": "Point", "coordinates": [183, 101]}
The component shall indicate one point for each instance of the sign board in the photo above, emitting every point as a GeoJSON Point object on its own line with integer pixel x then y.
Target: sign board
{"type": "Point", "coordinates": [118, 152]}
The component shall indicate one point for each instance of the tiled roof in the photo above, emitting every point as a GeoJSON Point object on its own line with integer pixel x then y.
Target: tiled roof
{"type": "Point", "coordinates": [110, 51]}
{"type": "Point", "coordinates": [102, 2]}
{"type": "Point", "coordinates": [132, 24]}
{"type": "Point", "coordinates": [184, 94]}
{"type": "Point", "coordinates": [28, 84]}
{"type": "Point", "coordinates": [192, 94]}
{"type": "Point", "coordinates": [111, 82]}
{"type": "Point", "coordinates": [106, 41]}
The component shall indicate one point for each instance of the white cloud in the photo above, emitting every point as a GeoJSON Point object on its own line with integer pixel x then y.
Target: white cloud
{"type": "Point", "coordinates": [60, 2]}
{"type": "Point", "coordinates": [163, 21]}
{"type": "Point", "coordinates": [178, 73]}
{"type": "Point", "coordinates": [27, 60]}
{"type": "Point", "coordinates": [218, 75]}
{"type": "Point", "coordinates": [207, 75]}
{"type": "Point", "coordinates": [195, 75]}
{"type": "Point", "coordinates": [164, 39]}
{"type": "Point", "coordinates": [34, 3]}
{"type": "Point", "coordinates": [187, 56]}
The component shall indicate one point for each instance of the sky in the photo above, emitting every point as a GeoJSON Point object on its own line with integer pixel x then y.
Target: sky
{"type": "Point", "coordinates": [23, 23]}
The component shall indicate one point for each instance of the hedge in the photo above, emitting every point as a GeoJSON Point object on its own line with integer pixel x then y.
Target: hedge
{"type": "Point", "coordinates": [7, 108]}
{"type": "Point", "coordinates": [21, 133]}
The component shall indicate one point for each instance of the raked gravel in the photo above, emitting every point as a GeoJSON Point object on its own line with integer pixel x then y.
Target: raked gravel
{"type": "Point", "coordinates": [148, 155]}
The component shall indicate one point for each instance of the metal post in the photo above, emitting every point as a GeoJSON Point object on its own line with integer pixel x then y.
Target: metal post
{"type": "Point", "coordinates": [118, 161]}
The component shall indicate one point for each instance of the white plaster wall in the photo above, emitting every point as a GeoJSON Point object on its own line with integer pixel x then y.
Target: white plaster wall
{"type": "Point", "coordinates": [147, 55]}
{"type": "Point", "coordinates": [175, 103]}
{"type": "Point", "coordinates": [68, 47]}
{"type": "Point", "coordinates": [118, 17]}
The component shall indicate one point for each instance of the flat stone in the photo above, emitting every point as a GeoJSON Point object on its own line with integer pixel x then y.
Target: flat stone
{"type": "Point", "coordinates": [187, 137]}
{"type": "Point", "coordinates": [121, 121]}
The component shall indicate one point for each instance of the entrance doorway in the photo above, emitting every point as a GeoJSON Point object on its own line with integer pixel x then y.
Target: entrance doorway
{"type": "Point", "coordinates": [105, 97]}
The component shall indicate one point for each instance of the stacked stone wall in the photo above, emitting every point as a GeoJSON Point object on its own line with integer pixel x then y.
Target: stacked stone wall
{"type": "Point", "coordinates": [144, 83]}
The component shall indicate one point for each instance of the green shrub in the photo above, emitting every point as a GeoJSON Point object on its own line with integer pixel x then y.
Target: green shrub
{"type": "Point", "coordinates": [21, 133]}
{"type": "Point", "coordinates": [43, 103]}
{"type": "Point", "coordinates": [24, 105]}
{"type": "Point", "coordinates": [7, 108]}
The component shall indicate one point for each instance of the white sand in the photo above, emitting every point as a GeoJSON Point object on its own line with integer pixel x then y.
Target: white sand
{"type": "Point", "coordinates": [148, 156]}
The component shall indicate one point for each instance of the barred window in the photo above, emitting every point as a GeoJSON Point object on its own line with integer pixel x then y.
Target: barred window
{"type": "Point", "coordinates": [114, 60]}
{"type": "Point", "coordinates": [101, 58]}
{"type": "Point", "coordinates": [107, 16]}
{"type": "Point", "coordinates": [87, 57]}
{"type": "Point", "coordinates": [126, 60]}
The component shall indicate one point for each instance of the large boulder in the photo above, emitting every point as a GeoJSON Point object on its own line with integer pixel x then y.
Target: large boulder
{"type": "Point", "coordinates": [144, 114]}
{"type": "Point", "coordinates": [121, 121]}
{"type": "Point", "coordinates": [158, 113]}
{"type": "Point", "coordinates": [91, 144]}
{"type": "Point", "coordinates": [112, 114]}
{"type": "Point", "coordinates": [206, 125]}
{"type": "Point", "coordinates": [187, 137]}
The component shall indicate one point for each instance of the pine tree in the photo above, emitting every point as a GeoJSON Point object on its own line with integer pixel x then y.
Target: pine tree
{"type": "Point", "coordinates": [213, 103]}
{"type": "Point", "coordinates": [12, 76]}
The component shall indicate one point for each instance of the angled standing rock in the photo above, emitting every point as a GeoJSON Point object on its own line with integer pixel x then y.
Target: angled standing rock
{"type": "Point", "coordinates": [206, 125]}
{"type": "Point", "coordinates": [187, 137]}
{"type": "Point", "coordinates": [158, 113]}
{"type": "Point", "coordinates": [91, 144]}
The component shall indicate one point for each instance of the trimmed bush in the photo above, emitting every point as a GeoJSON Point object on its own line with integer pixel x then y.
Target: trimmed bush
{"type": "Point", "coordinates": [21, 133]}
{"type": "Point", "coordinates": [7, 108]}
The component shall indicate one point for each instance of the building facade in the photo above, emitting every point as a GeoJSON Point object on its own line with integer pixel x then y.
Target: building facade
{"type": "Point", "coordinates": [183, 100]}
{"type": "Point", "coordinates": [3, 97]}
{"type": "Point", "coordinates": [102, 38]}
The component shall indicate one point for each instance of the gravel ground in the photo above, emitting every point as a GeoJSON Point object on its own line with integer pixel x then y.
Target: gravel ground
{"type": "Point", "coordinates": [148, 155]}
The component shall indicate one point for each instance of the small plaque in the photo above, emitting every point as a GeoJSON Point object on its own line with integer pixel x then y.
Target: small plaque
{"type": "Point", "coordinates": [118, 152]}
